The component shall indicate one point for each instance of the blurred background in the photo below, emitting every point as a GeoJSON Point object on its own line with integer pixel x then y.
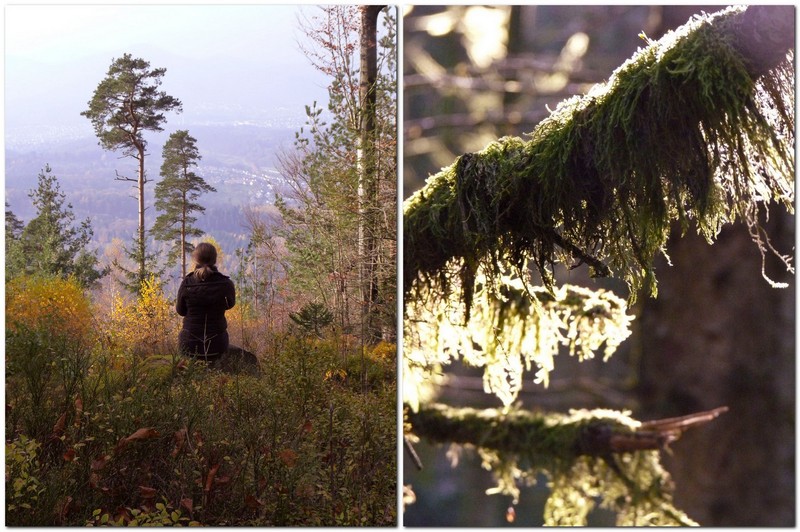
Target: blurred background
{"type": "Point", "coordinates": [717, 334]}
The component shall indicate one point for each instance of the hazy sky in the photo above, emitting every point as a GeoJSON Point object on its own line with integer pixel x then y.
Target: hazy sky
{"type": "Point", "coordinates": [236, 56]}
{"type": "Point", "coordinates": [51, 33]}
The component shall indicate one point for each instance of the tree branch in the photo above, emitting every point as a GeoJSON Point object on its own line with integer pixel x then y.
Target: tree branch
{"type": "Point", "coordinates": [549, 436]}
{"type": "Point", "coordinates": [688, 129]}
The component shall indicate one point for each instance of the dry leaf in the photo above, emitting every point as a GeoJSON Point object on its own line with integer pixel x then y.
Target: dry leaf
{"type": "Point", "coordinates": [180, 440]}
{"type": "Point", "coordinates": [62, 510]}
{"type": "Point", "coordinates": [147, 492]}
{"type": "Point", "coordinates": [100, 463]}
{"type": "Point", "coordinates": [251, 502]}
{"type": "Point", "coordinates": [58, 428]}
{"type": "Point", "coordinates": [141, 434]}
{"type": "Point", "coordinates": [69, 455]}
{"type": "Point", "coordinates": [78, 410]}
{"type": "Point", "coordinates": [288, 457]}
{"type": "Point", "coordinates": [210, 477]}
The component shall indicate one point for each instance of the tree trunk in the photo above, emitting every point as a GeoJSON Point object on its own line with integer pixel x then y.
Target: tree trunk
{"type": "Point", "coordinates": [718, 334]}
{"type": "Point", "coordinates": [183, 238]}
{"type": "Point", "coordinates": [140, 184]}
{"type": "Point", "coordinates": [368, 185]}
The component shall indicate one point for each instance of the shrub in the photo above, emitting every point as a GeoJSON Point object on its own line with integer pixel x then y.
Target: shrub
{"type": "Point", "coordinates": [145, 446]}
{"type": "Point", "coordinates": [146, 326]}
{"type": "Point", "coordinates": [23, 487]}
{"type": "Point", "coordinates": [56, 304]}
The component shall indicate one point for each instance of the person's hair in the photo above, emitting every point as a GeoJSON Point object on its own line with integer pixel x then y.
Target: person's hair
{"type": "Point", "coordinates": [204, 256]}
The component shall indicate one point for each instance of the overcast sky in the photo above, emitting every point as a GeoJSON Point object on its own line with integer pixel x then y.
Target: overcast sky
{"type": "Point", "coordinates": [239, 56]}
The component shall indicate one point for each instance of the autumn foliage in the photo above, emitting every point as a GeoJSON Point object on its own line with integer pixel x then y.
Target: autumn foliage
{"type": "Point", "coordinates": [54, 303]}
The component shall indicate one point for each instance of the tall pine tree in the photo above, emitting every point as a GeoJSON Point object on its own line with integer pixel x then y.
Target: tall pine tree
{"type": "Point", "coordinates": [125, 104]}
{"type": "Point", "coordinates": [177, 194]}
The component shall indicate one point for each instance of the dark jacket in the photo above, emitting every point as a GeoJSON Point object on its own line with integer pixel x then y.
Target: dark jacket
{"type": "Point", "coordinates": [202, 305]}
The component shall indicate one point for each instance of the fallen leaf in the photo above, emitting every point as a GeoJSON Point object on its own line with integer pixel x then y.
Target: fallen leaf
{"type": "Point", "coordinates": [141, 434]}
{"type": "Point", "coordinates": [69, 455]}
{"type": "Point", "coordinates": [78, 410]}
{"type": "Point", "coordinates": [288, 457]}
{"type": "Point", "coordinates": [210, 477]}
{"type": "Point", "coordinates": [188, 504]}
{"type": "Point", "coordinates": [58, 428]}
{"type": "Point", "coordinates": [62, 510]}
{"type": "Point", "coordinates": [122, 513]}
{"type": "Point", "coordinates": [180, 440]}
{"type": "Point", "coordinates": [251, 502]}
{"type": "Point", "coordinates": [147, 492]}
{"type": "Point", "coordinates": [99, 463]}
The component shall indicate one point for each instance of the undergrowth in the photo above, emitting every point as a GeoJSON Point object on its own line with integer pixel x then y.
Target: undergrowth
{"type": "Point", "coordinates": [100, 434]}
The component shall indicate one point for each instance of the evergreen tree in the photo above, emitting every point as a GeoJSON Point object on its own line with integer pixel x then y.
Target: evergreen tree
{"type": "Point", "coordinates": [14, 225]}
{"type": "Point", "coordinates": [14, 228]}
{"type": "Point", "coordinates": [177, 194]}
{"type": "Point", "coordinates": [125, 104]}
{"type": "Point", "coordinates": [50, 243]}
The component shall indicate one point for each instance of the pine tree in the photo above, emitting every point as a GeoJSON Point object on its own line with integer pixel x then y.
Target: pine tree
{"type": "Point", "coordinates": [125, 104]}
{"type": "Point", "coordinates": [50, 243]}
{"type": "Point", "coordinates": [177, 194]}
{"type": "Point", "coordinates": [14, 225]}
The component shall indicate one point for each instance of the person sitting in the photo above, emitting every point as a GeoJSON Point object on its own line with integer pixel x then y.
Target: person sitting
{"type": "Point", "coordinates": [203, 297]}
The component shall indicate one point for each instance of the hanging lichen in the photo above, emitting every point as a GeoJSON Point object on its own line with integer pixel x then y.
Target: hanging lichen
{"type": "Point", "coordinates": [527, 330]}
{"type": "Point", "coordinates": [688, 130]}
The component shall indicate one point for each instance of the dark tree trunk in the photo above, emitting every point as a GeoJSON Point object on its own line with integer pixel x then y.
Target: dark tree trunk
{"type": "Point", "coordinates": [718, 334]}
{"type": "Point", "coordinates": [369, 178]}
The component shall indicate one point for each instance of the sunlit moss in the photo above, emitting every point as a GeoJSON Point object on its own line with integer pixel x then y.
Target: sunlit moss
{"type": "Point", "coordinates": [508, 331]}
{"type": "Point", "coordinates": [685, 131]}
{"type": "Point", "coordinates": [687, 134]}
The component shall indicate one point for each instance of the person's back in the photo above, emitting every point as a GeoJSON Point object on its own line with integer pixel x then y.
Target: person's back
{"type": "Point", "coordinates": [203, 297]}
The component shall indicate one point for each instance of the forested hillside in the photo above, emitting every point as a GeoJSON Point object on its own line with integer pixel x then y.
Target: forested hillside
{"type": "Point", "coordinates": [239, 158]}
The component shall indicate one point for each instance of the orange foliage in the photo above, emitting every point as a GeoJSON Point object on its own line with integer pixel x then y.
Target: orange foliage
{"type": "Point", "coordinates": [52, 303]}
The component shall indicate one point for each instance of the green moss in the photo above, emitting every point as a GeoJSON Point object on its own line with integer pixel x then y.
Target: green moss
{"type": "Point", "coordinates": [681, 132]}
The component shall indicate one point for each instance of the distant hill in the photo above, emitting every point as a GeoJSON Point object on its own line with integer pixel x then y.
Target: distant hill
{"type": "Point", "coordinates": [238, 159]}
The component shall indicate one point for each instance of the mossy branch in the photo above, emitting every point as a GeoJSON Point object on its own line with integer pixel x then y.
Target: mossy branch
{"type": "Point", "coordinates": [697, 127]}
{"type": "Point", "coordinates": [551, 438]}
{"type": "Point", "coordinates": [587, 455]}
